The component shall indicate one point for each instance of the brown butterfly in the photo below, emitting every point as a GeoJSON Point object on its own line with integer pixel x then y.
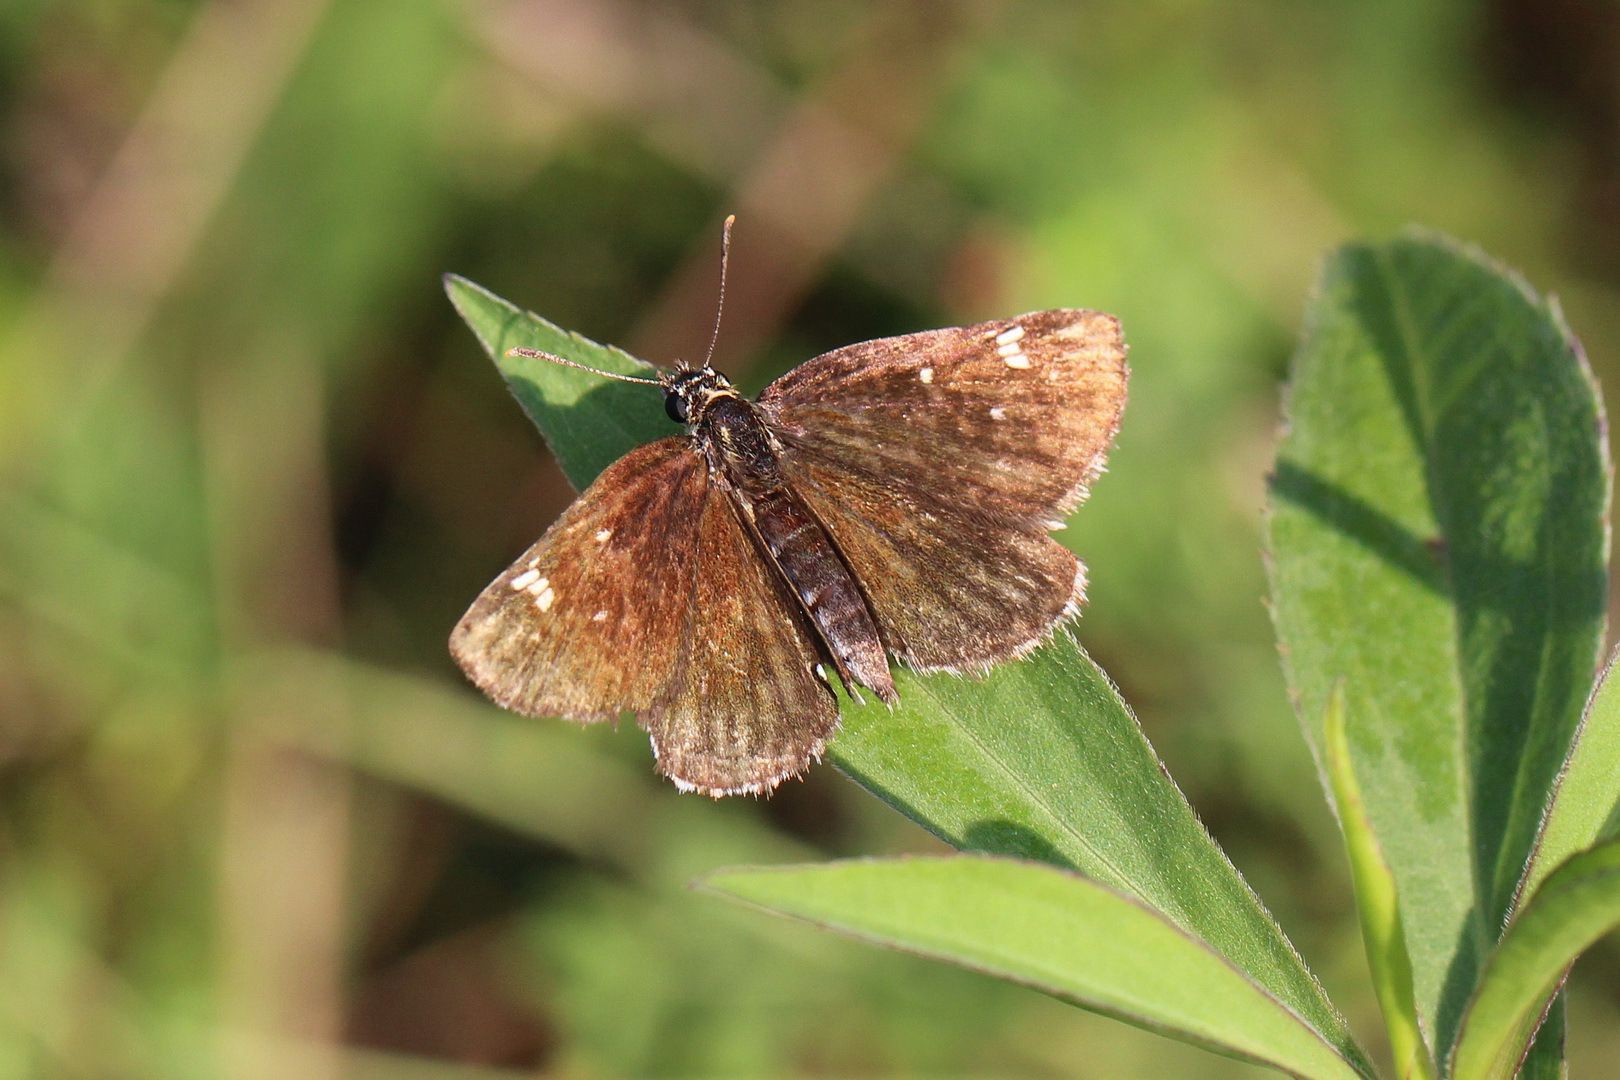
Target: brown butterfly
{"type": "Point", "coordinates": [892, 497]}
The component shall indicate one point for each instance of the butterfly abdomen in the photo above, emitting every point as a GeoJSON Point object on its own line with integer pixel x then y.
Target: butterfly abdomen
{"type": "Point", "coordinates": [737, 446]}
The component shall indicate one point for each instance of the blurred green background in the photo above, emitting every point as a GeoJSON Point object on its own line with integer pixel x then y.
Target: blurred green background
{"type": "Point", "coordinates": [252, 468]}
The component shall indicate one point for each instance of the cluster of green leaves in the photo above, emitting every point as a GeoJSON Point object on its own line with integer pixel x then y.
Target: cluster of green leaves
{"type": "Point", "coordinates": [1439, 543]}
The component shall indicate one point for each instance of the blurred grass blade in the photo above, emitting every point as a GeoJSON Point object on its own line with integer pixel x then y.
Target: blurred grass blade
{"type": "Point", "coordinates": [1055, 931]}
{"type": "Point", "coordinates": [1040, 759]}
{"type": "Point", "coordinates": [541, 780]}
{"type": "Point", "coordinates": [1576, 905]}
{"type": "Point", "coordinates": [1378, 905]}
{"type": "Point", "coordinates": [588, 422]}
{"type": "Point", "coordinates": [1586, 804]}
{"type": "Point", "coordinates": [1438, 540]}
{"type": "Point", "coordinates": [536, 779]}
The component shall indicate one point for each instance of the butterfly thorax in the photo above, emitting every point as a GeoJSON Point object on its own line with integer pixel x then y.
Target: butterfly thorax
{"type": "Point", "coordinates": [743, 460]}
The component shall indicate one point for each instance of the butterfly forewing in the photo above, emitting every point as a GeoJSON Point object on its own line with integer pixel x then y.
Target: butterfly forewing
{"type": "Point", "coordinates": [647, 597]}
{"type": "Point", "coordinates": [938, 461]}
{"type": "Point", "coordinates": [1013, 416]}
{"type": "Point", "coordinates": [587, 624]}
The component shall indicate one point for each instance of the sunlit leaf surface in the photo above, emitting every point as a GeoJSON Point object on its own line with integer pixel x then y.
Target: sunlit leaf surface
{"type": "Point", "coordinates": [1055, 931]}
{"type": "Point", "coordinates": [1439, 543]}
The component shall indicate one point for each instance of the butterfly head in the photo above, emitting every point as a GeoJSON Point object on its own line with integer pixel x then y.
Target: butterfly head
{"type": "Point", "coordinates": [688, 392]}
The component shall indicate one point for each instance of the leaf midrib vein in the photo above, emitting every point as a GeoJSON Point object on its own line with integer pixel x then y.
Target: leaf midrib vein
{"type": "Point", "coordinates": [1035, 797]}
{"type": "Point", "coordinates": [1405, 327]}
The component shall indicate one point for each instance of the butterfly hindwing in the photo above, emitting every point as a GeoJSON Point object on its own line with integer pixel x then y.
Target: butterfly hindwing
{"type": "Point", "coordinates": [940, 460]}
{"type": "Point", "coordinates": [942, 603]}
{"type": "Point", "coordinates": [743, 708]}
{"type": "Point", "coordinates": [648, 597]}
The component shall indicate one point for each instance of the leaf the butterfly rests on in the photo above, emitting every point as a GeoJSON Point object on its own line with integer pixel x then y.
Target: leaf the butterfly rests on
{"type": "Point", "coordinates": [890, 496]}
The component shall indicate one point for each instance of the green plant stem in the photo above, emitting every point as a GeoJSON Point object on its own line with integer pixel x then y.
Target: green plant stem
{"type": "Point", "coordinates": [1377, 905]}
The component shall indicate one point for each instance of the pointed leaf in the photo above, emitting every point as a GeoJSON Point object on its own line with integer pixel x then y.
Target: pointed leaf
{"type": "Point", "coordinates": [1054, 931]}
{"type": "Point", "coordinates": [1545, 1061]}
{"type": "Point", "coordinates": [1576, 904]}
{"type": "Point", "coordinates": [1586, 805]}
{"type": "Point", "coordinates": [588, 422]}
{"type": "Point", "coordinates": [1040, 759]}
{"type": "Point", "coordinates": [1439, 542]}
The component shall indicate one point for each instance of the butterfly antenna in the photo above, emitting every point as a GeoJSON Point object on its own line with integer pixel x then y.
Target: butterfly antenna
{"type": "Point", "coordinates": [719, 308]}
{"type": "Point", "coordinates": [555, 359]}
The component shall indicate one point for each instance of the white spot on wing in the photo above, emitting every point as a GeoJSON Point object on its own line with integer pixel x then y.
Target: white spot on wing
{"type": "Point", "coordinates": [1010, 336]}
{"type": "Point", "coordinates": [600, 616]}
{"type": "Point", "coordinates": [545, 598]}
{"type": "Point", "coordinates": [523, 580]}
{"type": "Point", "coordinates": [602, 535]}
{"type": "Point", "coordinates": [1014, 359]}
{"type": "Point", "coordinates": [926, 374]}
{"type": "Point", "coordinates": [998, 413]}
{"type": "Point", "coordinates": [536, 585]}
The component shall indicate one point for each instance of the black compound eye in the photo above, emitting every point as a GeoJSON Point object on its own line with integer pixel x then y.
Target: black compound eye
{"type": "Point", "coordinates": [675, 406]}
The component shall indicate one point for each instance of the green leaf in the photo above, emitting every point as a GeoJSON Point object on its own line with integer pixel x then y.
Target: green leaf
{"type": "Point", "coordinates": [1576, 904]}
{"type": "Point", "coordinates": [588, 422]}
{"type": "Point", "coordinates": [1377, 903]}
{"type": "Point", "coordinates": [1052, 930]}
{"type": "Point", "coordinates": [1438, 542]}
{"type": "Point", "coordinates": [1545, 1059]}
{"type": "Point", "coordinates": [1586, 804]}
{"type": "Point", "coordinates": [1041, 758]}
